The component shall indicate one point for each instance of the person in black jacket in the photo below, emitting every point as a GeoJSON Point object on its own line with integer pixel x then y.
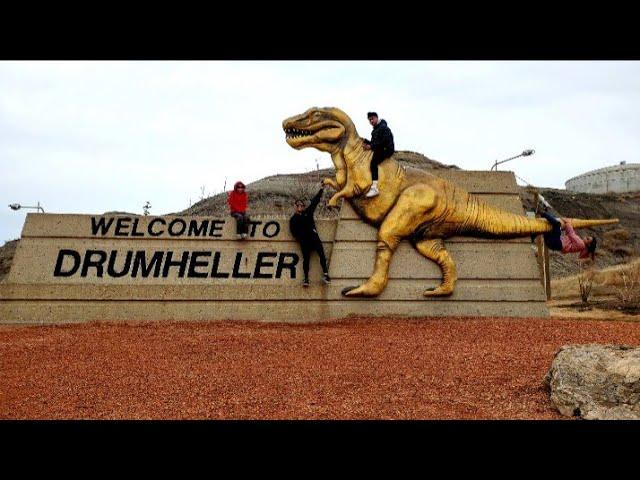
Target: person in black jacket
{"type": "Point", "coordinates": [303, 228]}
{"type": "Point", "coordinates": [382, 145]}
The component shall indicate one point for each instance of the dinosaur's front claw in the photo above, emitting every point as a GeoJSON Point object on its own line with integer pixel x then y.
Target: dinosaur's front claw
{"type": "Point", "coordinates": [333, 201]}
{"type": "Point", "coordinates": [440, 291]}
{"type": "Point", "coordinates": [330, 182]}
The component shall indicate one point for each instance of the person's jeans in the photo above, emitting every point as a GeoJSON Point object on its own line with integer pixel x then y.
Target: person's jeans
{"type": "Point", "coordinates": [378, 158]}
{"type": "Point", "coordinates": [313, 244]}
{"type": "Point", "coordinates": [242, 222]}
{"type": "Point", "coordinates": [552, 238]}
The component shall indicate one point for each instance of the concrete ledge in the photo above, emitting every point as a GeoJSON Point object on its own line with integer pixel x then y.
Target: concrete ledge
{"type": "Point", "coordinates": [136, 228]}
{"type": "Point", "coordinates": [49, 312]}
{"type": "Point", "coordinates": [401, 290]}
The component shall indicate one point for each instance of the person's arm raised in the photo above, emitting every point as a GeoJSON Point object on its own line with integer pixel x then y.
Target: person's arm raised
{"type": "Point", "coordinates": [314, 202]}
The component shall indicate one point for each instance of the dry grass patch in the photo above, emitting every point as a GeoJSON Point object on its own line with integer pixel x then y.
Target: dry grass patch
{"type": "Point", "coordinates": [607, 281]}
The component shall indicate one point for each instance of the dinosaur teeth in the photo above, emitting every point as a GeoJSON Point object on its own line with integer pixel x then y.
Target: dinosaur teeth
{"type": "Point", "coordinates": [295, 133]}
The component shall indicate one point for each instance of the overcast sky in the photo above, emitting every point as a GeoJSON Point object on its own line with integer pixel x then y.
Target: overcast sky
{"type": "Point", "coordinates": [90, 137]}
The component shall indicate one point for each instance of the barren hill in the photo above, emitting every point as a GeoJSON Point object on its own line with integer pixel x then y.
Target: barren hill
{"type": "Point", "coordinates": [276, 194]}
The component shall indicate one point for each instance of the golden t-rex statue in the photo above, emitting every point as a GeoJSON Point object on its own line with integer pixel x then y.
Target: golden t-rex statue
{"type": "Point", "coordinates": [412, 203]}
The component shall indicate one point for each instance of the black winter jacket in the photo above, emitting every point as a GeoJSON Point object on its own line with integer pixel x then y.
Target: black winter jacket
{"type": "Point", "coordinates": [382, 139]}
{"type": "Point", "coordinates": [302, 225]}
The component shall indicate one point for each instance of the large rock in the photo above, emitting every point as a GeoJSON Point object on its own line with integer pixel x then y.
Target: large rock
{"type": "Point", "coordinates": [596, 381]}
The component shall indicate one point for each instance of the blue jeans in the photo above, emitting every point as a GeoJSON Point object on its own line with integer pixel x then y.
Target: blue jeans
{"type": "Point", "coordinates": [552, 238]}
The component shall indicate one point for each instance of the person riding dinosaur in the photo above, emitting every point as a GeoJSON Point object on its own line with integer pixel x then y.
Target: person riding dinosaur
{"type": "Point", "coordinates": [382, 145]}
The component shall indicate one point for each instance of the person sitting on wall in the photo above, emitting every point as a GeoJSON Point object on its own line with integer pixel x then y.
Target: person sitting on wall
{"type": "Point", "coordinates": [568, 241]}
{"type": "Point", "coordinates": [303, 229]}
{"type": "Point", "coordinates": [382, 145]}
{"type": "Point", "coordinates": [238, 200]}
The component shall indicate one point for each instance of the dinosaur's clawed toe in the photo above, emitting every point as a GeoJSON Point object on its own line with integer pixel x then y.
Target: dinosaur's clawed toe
{"type": "Point", "coordinates": [329, 182]}
{"type": "Point", "coordinates": [440, 291]}
{"type": "Point", "coordinates": [345, 291]}
{"type": "Point", "coordinates": [361, 291]}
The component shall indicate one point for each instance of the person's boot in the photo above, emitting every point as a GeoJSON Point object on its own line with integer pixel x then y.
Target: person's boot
{"type": "Point", "coordinates": [373, 191]}
{"type": "Point", "coordinates": [326, 279]}
{"type": "Point", "coordinates": [244, 236]}
{"type": "Point", "coordinates": [305, 283]}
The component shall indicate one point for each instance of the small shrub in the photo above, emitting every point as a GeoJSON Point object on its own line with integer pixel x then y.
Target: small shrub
{"type": "Point", "coordinates": [628, 288]}
{"type": "Point", "coordinates": [585, 282]}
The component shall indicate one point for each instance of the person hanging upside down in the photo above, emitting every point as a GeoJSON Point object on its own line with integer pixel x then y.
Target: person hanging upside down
{"type": "Point", "coordinates": [568, 241]}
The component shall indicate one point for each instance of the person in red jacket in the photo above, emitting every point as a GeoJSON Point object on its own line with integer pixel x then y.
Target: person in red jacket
{"type": "Point", "coordinates": [238, 200]}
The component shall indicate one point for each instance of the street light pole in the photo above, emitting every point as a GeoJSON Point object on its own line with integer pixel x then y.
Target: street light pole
{"type": "Point", "coordinates": [17, 206]}
{"type": "Point", "coordinates": [525, 153]}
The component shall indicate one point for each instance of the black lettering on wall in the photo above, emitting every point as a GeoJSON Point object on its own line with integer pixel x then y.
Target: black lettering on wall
{"type": "Point", "coordinates": [261, 263]}
{"type": "Point", "coordinates": [182, 228]}
{"type": "Point", "coordinates": [112, 261]}
{"type": "Point", "coordinates": [254, 224]}
{"type": "Point", "coordinates": [215, 226]}
{"type": "Point", "coordinates": [150, 228]}
{"type": "Point", "coordinates": [276, 229]}
{"type": "Point", "coordinates": [195, 263]}
{"type": "Point", "coordinates": [135, 232]}
{"type": "Point", "coordinates": [121, 223]}
{"type": "Point", "coordinates": [199, 229]}
{"type": "Point", "coordinates": [236, 268]}
{"type": "Point", "coordinates": [182, 263]}
{"type": "Point", "coordinates": [98, 264]}
{"type": "Point", "coordinates": [216, 263]}
{"type": "Point", "coordinates": [289, 265]}
{"type": "Point", "coordinates": [58, 272]}
{"type": "Point", "coordinates": [140, 262]}
{"type": "Point", "coordinates": [102, 224]}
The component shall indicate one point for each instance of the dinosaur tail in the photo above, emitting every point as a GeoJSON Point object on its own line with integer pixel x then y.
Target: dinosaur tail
{"type": "Point", "coordinates": [490, 221]}
{"type": "Point", "coordinates": [580, 223]}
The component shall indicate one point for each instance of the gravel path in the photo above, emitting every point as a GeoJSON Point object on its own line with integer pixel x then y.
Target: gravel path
{"type": "Point", "coordinates": [356, 369]}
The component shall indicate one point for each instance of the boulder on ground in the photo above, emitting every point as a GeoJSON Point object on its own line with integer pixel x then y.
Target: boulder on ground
{"type": "Point", "coordinates": [596, 382]}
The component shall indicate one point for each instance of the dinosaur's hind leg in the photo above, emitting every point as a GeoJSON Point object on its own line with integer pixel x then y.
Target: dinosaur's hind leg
{"type": "Point", "coordinates": [434, 250]}
{"type": "Point", "coordinates": [408, 212]}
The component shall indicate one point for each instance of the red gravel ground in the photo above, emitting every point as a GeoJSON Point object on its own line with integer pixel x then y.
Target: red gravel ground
{"type": "Point", "coordinates": [352, 369]}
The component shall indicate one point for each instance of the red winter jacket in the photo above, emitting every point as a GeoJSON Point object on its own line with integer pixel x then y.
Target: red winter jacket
{"type": "Point", "coordinates": [238, 201]}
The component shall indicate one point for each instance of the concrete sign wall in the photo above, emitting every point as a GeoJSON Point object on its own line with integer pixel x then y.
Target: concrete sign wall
{"type": "Point", "coordinates": [75, 268]}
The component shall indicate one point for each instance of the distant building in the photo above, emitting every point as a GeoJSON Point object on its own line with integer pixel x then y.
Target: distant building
{"type": "Point", "coordinates": [622, 178]}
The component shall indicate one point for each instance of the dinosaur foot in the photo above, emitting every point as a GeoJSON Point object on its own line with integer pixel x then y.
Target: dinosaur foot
{"type": "Point", "coordinates": [360, 291]}
{"type": "Point", "coordinates": [440, 291]}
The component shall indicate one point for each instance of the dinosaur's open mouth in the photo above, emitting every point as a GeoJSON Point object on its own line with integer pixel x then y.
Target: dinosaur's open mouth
{"type": "Point", "coordinates": [313, 128]}
{"type": "Point", "coordinates": [295, 133]}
